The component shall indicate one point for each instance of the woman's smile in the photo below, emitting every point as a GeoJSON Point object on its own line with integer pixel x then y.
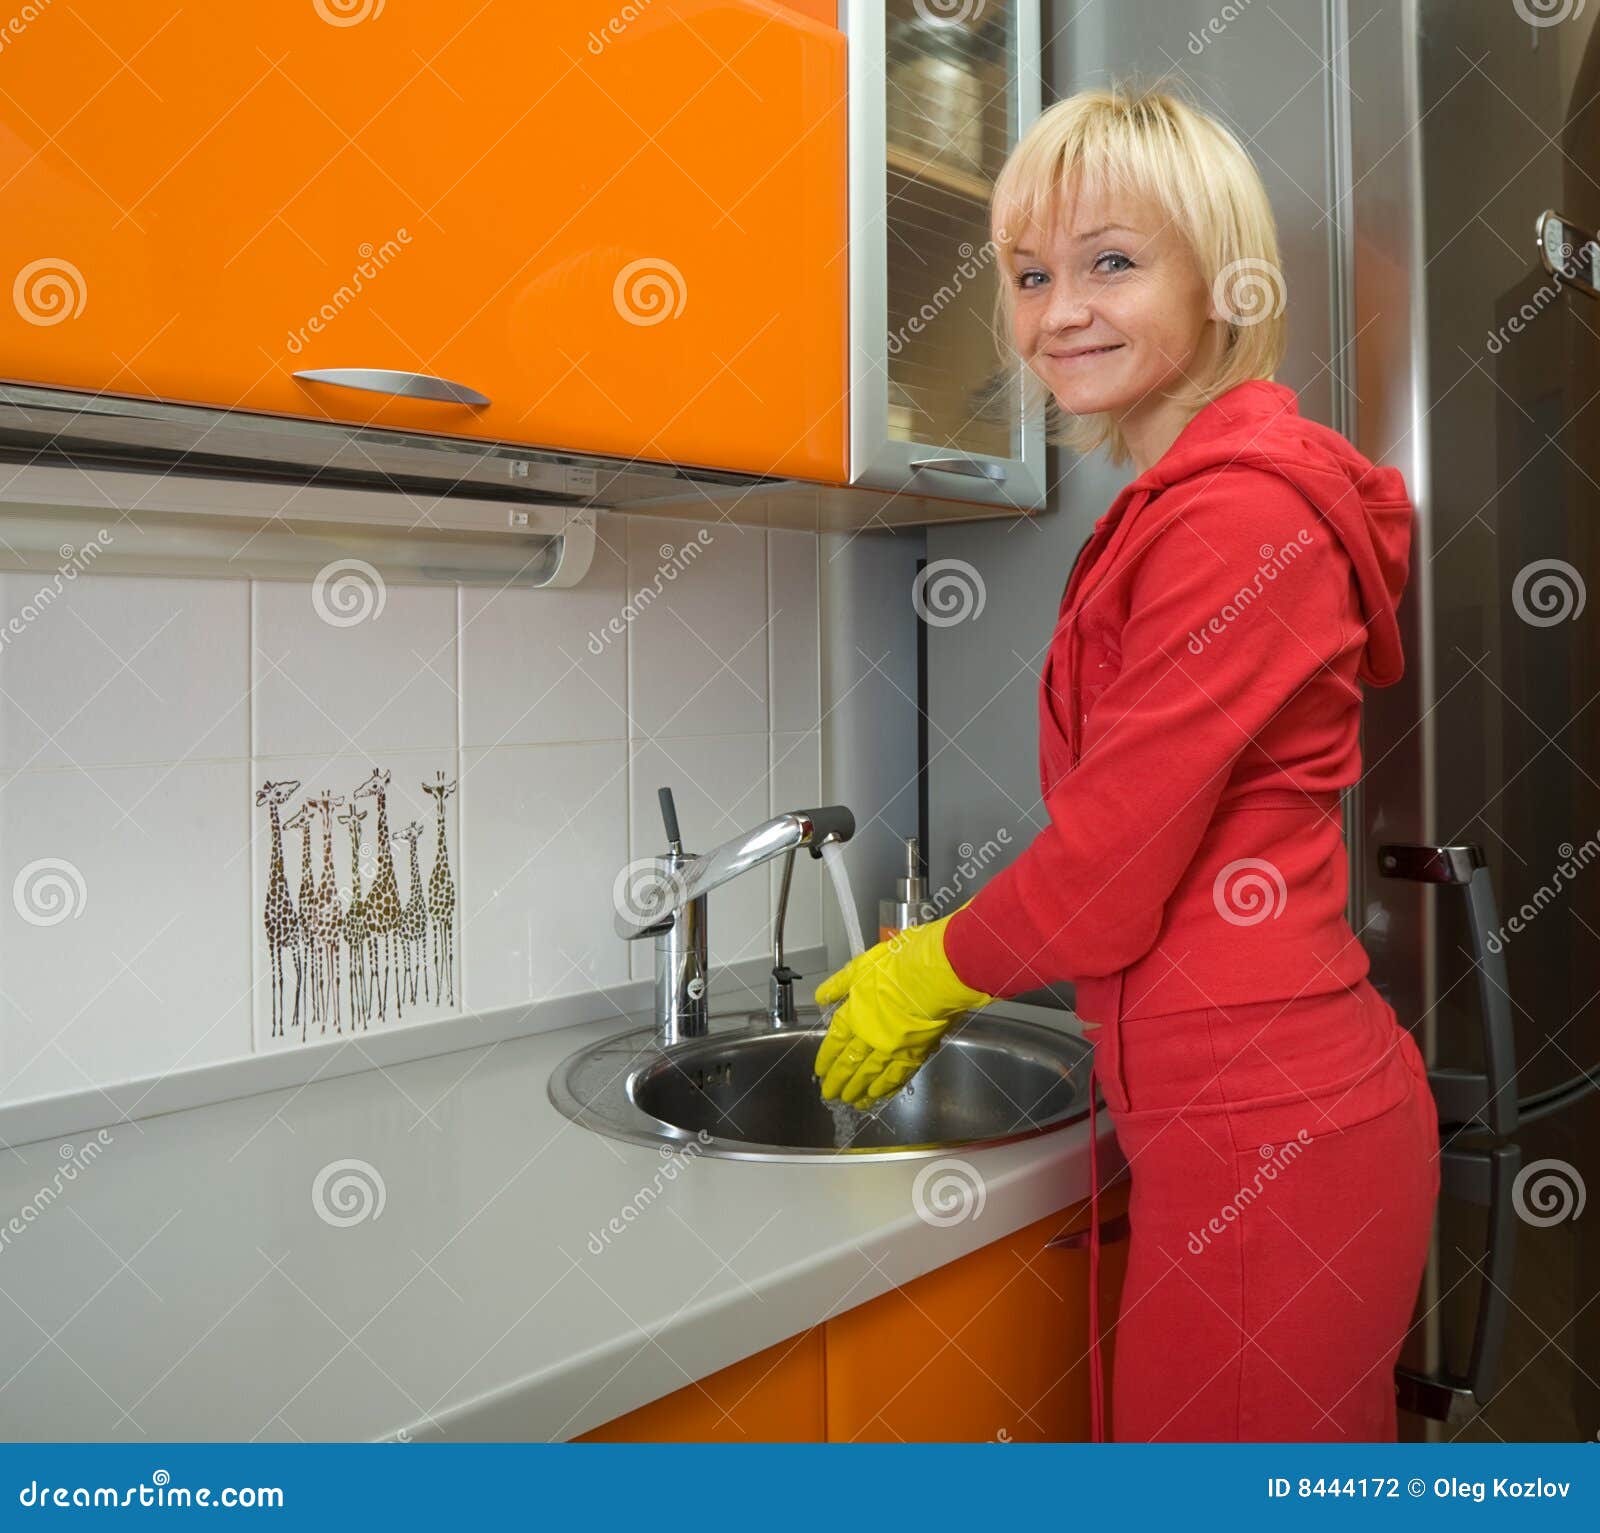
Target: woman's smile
{"type": "Point", "coordinates": [1077, 355]}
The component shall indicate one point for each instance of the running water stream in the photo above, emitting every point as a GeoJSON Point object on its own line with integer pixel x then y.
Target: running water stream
{"type": "Point", "coordinates": [847, 1121]}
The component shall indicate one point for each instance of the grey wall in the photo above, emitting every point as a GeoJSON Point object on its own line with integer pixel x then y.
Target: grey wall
{"type": "Point", "coordinates": [869, 712]}
{"type": "Point", "coordinates": [1261, 74]}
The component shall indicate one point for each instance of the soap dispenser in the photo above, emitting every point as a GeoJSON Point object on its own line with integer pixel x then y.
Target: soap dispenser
{"type": "Point", "coordinates": [911, 895]}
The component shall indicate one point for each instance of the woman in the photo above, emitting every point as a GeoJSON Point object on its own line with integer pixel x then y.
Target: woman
{"type": "Point", "coordinates": [1199, 713]}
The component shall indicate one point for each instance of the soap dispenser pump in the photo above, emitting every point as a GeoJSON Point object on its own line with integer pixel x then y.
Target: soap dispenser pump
{"type": "Point", "coordinates": [911, 896]}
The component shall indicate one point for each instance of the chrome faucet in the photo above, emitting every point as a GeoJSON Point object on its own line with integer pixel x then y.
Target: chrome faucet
{"type": "Point", "coordinates": [670, 905]}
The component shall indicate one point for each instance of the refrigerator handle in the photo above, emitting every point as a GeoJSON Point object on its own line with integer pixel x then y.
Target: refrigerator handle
{"type": "Point", "coordinates": [1485, 1099]}
{"type": "Point", "coordinates": [1486, 1178]}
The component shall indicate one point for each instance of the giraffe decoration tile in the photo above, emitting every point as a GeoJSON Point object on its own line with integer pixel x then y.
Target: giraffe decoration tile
{"type": "Point", "coordinates": [356, 882]}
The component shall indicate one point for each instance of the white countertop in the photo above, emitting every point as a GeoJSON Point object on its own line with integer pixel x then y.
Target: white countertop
{"type": "Point", "coordinates": [173, 1279]}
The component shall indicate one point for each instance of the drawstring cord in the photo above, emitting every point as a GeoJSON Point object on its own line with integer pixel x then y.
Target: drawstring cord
{"type": "Point", "coordinates": [1097, 1427]}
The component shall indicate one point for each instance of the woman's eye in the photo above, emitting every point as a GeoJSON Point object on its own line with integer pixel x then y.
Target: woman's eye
{"type": "Point", "coordinates": [1023, 279]}
{"type": "Point", "coordinates": [1113, 255]}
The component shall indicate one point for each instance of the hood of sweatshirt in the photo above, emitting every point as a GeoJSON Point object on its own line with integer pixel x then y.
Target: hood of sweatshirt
{"type": "Point", "coordinates": [1259, 424]}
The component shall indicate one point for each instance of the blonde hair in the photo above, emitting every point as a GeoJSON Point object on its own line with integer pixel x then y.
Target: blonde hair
{"type": "Point", "coordinates": [1151, 143]}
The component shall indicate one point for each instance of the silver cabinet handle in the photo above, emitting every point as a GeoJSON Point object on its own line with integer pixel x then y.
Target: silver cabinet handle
{"type": "Point", "coordinates": [973, 468]}
{"type": "Point", "coordinates": [383, 380]}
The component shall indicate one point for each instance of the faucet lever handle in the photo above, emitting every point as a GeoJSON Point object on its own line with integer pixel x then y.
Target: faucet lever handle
{"type": "Point", "coordinates": [669, 818]}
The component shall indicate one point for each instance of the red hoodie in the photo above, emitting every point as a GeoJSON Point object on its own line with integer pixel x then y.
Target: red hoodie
{"type": "Point", "coordinates": [1199, 711]}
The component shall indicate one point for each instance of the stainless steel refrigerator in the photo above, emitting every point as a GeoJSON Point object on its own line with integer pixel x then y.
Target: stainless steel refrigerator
{"type": "Point", "coordinates": [1435, 169]}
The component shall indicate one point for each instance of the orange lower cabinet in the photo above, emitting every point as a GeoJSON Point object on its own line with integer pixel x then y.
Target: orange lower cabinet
{"type": "Point", "coordinates": [773, 1397]}
{"type": "Point", "coordinates": [991, 1348]}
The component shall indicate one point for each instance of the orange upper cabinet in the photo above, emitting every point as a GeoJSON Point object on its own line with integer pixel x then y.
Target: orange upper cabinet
{"type": "Point", "coordinates": [617, 230]}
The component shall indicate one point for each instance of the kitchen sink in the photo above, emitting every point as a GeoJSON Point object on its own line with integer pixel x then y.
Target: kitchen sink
{"type": "Point", "coordinates": [746, 1090]}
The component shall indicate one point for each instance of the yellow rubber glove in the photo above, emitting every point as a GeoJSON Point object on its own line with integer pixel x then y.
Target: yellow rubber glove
{"type": "Point", "coordinates": [898, 998]}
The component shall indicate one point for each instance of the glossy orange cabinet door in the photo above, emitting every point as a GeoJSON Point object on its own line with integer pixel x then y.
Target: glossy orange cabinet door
{"type": "Point", "coordinates": [627, 234]}
{"type": "Point", "coordinates": [773, 1397]}
{"type": "Point", "coordinates": [991, 1348]}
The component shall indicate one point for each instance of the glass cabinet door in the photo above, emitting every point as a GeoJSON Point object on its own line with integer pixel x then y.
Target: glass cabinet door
{"type": "Point", "coordinates": [939, 92]}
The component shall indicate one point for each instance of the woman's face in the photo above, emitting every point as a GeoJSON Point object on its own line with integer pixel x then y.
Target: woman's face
{"type": "Point", "coordinates": [1112, 310]}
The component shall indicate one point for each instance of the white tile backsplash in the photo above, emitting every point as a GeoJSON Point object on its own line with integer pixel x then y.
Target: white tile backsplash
{"type": "Point", "coordinates": [123, 949]}
{"type": "Point", "coordinates": [542, 666]}
{"type": "Point", "coordinates": [112, 672]}
{"type": "Point", "coordinates": [698, 640]}
{"type": "Point", "coordinates": [545, 833]}
{"type": "Point", "coordinates": [792, 638]}
{"type": "Point", "coordinates": [329, 680]}
{"type": "Point", "coordinates": [140, 715]}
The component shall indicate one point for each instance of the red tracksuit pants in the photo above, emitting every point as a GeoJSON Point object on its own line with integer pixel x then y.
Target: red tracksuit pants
{"type": "Point", "coordinates": [1284, 1165]}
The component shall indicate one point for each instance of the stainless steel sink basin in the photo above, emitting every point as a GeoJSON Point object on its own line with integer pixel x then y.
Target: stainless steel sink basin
{"type": "Point", "coordinates": [747, 1092]}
